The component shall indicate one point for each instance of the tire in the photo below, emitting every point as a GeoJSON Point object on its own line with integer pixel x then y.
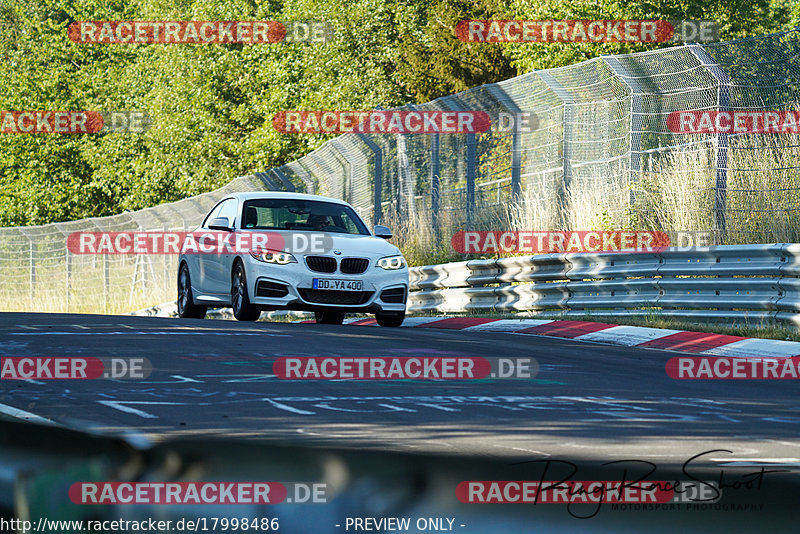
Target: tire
{"type": "Point", "coordinates": [390, 319]}
{"type": "Point", "coordinates": [329, 316]}
{"type": "Point", "coordinates": [187, 309]}
{"type": "Point", "coordinates": [243, 310]}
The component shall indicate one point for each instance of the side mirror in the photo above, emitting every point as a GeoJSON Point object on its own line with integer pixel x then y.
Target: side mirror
{"type": "Point", "coordinates": [382, 231]}
{"type": "Point", "coordinates": [220, 223]}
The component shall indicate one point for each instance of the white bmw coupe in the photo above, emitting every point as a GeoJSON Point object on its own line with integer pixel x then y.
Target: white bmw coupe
{"type": "Point", "coordinates": [290, 251]}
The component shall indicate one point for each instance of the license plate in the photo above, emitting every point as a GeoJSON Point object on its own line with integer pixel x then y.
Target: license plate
{"type": "Point", "coordinates": [337, 285]}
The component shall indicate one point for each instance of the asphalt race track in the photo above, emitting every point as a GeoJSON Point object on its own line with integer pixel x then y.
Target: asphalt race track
{"type": "Point", "coordinates": [214, 378]}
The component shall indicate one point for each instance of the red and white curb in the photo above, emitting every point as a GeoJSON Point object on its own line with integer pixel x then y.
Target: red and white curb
{"type": "Point", "coordinates": [629, 336]}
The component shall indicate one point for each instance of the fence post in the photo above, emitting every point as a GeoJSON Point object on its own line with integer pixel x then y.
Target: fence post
{"type": "Point", "coordinates": [471, 154]}
{"type": "Point", "coordinates": [308, 181]}
{"type": "Point", "coordinates": [566, 142]}
{"type": "Point", "coordinates": [347, 166]}
{"type": "Point", "coordinates": [68, 260]}
{"type": "Point", "coordinates": [635, 130]}
{"type": "Point", "coordinates": [377, 178]}
{"type": "Point", "coordinates": [454, 104]}
{"type": "Point", "coordinates": [287, 184]}
{"type": "Point", "coordinates": [402, 166]}
{"type": "Point", "coordinates": [264, 177]}
{"type": "Point", "coordinates": [32, 263]}
{"type": "Point", "coordinates": [516, 139]}
{"type": "Point", "coordinates": [326, 164]}
{"type": "Point", "coordinates": [165, 226]}
{"type": "Point", "coordinates": [721, 140]}
{"type": "Point", "coordinates": [106, 283]}
{"type": "Point", "coordinates": [435, 170]}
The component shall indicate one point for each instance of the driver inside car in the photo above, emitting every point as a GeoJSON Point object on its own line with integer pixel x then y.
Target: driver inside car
{"type": "Point", "coordinates": [318, 222]}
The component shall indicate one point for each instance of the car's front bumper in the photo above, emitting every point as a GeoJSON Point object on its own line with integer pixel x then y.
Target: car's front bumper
{"type": "Point", "coordinates": [267, 284]}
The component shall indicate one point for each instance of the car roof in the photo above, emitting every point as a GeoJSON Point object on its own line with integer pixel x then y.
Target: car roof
{"type": "Point", "coordinates": [281, 194]}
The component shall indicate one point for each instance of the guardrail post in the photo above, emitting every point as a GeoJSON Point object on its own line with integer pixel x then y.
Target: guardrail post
{"type": "Point", "coordinates": [435, 170]}
{"type": "Point", "coordinates": [721, 144]}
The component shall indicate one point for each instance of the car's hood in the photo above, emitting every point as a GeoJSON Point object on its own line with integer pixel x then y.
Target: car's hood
{"type": "Point", "coordinates": [350, 244]}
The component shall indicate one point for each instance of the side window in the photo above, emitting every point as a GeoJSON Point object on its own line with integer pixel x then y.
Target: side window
{"type": "Point", "coordinates": [229, 210]}
{"type": "Point", "coordinates": [213, 213]}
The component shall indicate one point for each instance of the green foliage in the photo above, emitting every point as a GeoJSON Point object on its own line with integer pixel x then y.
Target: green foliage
{"type": "Point", "coordinates": [434, 62]}
{"type": "Point", "coordinates": [212, 105]}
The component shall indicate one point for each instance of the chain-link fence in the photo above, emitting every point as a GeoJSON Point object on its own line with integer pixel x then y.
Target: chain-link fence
{"type": "Point", "coordinates": [601, 156]}
{"type": "Point", "coordinates": [40, 273]}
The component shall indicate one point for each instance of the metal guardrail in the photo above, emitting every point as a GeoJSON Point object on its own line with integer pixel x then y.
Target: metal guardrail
{"type": "Point", "coordinates": [750, 283]}
{"type": "Point", "coordinates": [731, 283]}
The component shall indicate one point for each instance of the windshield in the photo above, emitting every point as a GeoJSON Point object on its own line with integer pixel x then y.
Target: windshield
{"type": "Point", "coordinates": [302, 215]}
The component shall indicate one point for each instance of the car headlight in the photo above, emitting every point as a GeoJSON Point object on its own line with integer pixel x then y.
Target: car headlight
{"type": "Point", "coordinates": [391, 263]}
{"type": "Point", "coordinates": [281, 258]}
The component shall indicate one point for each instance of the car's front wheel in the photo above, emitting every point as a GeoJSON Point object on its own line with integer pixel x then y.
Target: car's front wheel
{"type": "Point", "coordinates": [329, 316]}
{"type": "Point", "coordinates": [187, 309]}
{"type": "Point", "coordinates": [390, 319]}
{"type": "Point", "coordinates": [243, 310]}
